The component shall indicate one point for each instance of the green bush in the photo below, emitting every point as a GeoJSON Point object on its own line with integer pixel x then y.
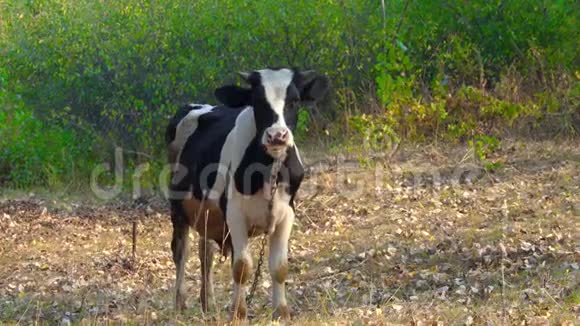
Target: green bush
{"type": "Point", "coordinates": [36, 153]}
{"type": "Point", "coordinates": [112, 72]}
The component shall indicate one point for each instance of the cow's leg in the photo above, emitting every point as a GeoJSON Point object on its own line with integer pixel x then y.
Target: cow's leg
{"type": "Point", "coordinates": [242, 262]}
{"type": "Point", "coordinates": [206, 255]}
{"type": "Point", "coordinates": [278, 263]}
{"type": "Point", "coordinates": [180, 249]}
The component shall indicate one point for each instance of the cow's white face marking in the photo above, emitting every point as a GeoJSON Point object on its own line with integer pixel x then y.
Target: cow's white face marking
{"type": "Point", "coordinates": [275, 83]}
{"type": "Point", "coordinates": [277, 137]}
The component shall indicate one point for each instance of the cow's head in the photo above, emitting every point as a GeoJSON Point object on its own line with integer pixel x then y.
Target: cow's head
{"type": "Point", "coordinates": [275, 95]}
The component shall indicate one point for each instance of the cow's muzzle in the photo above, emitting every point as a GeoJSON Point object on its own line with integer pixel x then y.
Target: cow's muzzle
{"type": "Point", "coordinates": [276, 140]}
{"type": "Point", "coordinates": [278, 137]}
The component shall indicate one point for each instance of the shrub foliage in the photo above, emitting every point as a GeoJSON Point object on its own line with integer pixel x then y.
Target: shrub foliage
{"type": "Point", "coordinates": [81, 76]}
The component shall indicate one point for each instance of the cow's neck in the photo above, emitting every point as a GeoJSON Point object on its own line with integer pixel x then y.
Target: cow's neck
{"type": "Point", "coordinates": [257, 160]}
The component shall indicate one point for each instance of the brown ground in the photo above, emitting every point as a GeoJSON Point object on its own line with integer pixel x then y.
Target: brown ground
{"type": "Point", "coordinates": [381, 244]}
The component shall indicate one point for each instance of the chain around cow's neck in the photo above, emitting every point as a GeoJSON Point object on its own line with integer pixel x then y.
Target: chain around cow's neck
{"type": "Point", "coordinates": [276, 165]}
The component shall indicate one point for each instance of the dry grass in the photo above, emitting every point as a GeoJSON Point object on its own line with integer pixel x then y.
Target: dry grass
{"type": "Point", "coordinates": [392, 249]}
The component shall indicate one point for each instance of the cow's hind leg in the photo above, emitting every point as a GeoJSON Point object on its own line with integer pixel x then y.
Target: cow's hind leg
{"type": "Point", "coordinates": [206, 254]}
{"type": "Point", "coordinates": [180, 249]}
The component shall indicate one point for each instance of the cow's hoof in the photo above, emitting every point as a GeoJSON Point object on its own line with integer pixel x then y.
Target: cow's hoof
{"type": "Point", "coordinates": [281, 313]}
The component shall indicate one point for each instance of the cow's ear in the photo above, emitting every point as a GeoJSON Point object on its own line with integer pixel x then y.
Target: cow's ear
{"type": "Point", "coordinates": [315, 88]}
{"type": "Point", "coordinates": [233, 96]}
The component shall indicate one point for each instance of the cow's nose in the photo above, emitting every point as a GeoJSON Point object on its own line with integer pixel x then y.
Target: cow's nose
{"type": "Point", "coordinates": [278, 137]}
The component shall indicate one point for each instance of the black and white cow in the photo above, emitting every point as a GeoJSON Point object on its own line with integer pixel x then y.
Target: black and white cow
{"type": "Point", "coordinates": [222, 159]}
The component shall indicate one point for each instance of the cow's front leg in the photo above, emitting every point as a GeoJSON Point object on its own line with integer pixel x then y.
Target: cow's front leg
{"type": "Point", "coordinates": [242, 261]}
{"type": "Point", "coordinates": [278, 263]}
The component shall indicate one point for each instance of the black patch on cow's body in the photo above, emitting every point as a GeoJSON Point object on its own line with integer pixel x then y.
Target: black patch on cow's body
{"type": "Point", "coordinates": [254, 167]}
